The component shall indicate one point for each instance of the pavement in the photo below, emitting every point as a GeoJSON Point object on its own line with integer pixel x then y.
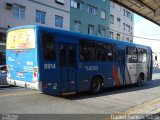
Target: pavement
{"type": "Point", "coordinates": [147, 111]}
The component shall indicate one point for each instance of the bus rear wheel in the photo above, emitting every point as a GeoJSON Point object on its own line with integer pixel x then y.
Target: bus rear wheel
{"type": "Point", "coordinates": [96, 85]}
{"type": "Point", "coordinates": [140, 80]}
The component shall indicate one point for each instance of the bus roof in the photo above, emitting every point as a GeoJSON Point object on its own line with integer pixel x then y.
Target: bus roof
{"type": "Point", "coordinates": [80, 35]}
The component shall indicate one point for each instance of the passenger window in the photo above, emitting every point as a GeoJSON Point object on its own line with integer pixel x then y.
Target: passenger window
{"type": "Point", "coordinates": [132, 56]}
{"type": "Point", "coordinates": [114, 52]}
{"type": "Point", "coordinates": [87, 50]}
{"type": "Point", "coordinates": [104, 52]}
{"type": "Point", "coordinates": [63, 55]}
{"type": "Point", "coordinates": [49, 47]}
{"type": "Point", "coordinates": [142, 55]}
{"type": "Point", "coordinates": [72, 56]}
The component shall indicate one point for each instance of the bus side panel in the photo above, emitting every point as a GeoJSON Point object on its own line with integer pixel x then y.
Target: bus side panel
{"type": "Point", "coordinates": [49, 75]}
{"type": "Point", "coordinates": [67, 55]}
{"type": "Point", "coordinates": [131, 73]}
{"type": "Point", "coordinates": [88, 70]}
{"type": "Point", "coordinates": [122, 66]}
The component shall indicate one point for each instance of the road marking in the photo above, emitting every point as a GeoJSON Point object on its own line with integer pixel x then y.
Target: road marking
{"type": "Point", "coordinates": [17, 94]}
{"type": "Point", "coordinates": [150, 107]}
{"type": "Point", "coordinates": [135, 110]}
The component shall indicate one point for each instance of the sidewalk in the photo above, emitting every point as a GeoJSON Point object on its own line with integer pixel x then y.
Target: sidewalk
{"type": "Point", "coordinates": [146, 111]}
{"type": "Point", "coordinates": [151, 107]}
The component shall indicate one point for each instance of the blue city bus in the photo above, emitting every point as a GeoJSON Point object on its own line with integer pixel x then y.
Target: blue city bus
{"type": "Point", "coordinates": [60, 62]}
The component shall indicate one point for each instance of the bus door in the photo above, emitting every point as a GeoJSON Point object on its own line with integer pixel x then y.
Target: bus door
{"type": "Point", "coordinates": [149, 66]}
{"type": "Point", "coordinates": [121, 66]}
{"type": "Point", "coordinates": [68, 74]}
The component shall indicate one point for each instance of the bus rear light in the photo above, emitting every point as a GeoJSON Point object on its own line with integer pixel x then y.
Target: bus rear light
{"type": "Point", "coordinates": [35, 74]}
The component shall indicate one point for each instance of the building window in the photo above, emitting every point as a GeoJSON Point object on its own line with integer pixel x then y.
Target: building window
{"type": "Point", "coordinates": [80, 5]}
{"type": "Point", "coordinates": [92, 10]}
{"type": "Point", "coordinates": [131, 17]}
{"type": "Point", "coordinates": [103, 31]}
{"type": "Point", "coordinates": [59, 21]}
{"type": "Point", "coordinates": [111, 4]}
{"type": "Point", "coordinates": [77, 4]}
{"type": "Point", "coordinates": [111, 34]}
{"type": "Point", "coordinates": [118, 7]}
{"type": "Point", "coordinates": [90, 29]}
{"type": "Point", "coordinates": [118, 36]}
{"type": "Point", "coordinates": [124, 26]}
{"type": "Point", "coordinates": [40, 16]}
{"type": "Point", "coordinates": [103, 14]}
{"type": "Point", "coordinates": [119, 21]}
{"type": "Point", "coordinates": [112, 19]}
{"type": "Point", "coordinates": [128, 14]}
{"type": "Point", "coordinates": [18, 11]}
{"type": "Point", "coordinates": [128, 28]}
{"type": "Point", "coordinates": [74, 3]}
{"type": "Point", "coordinates": [77, 26]}
{"type": "Point", "coordinates": [124, 12]}
{"type": "Point", "coordinates": [60, 2]}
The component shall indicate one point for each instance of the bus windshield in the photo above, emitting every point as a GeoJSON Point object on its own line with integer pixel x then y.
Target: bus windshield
{"type": "Point", "coordinates": [21, 39]}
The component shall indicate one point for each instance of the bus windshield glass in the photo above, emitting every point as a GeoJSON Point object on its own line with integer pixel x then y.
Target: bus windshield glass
{"type": "Point", "coordinates": [21, 39]}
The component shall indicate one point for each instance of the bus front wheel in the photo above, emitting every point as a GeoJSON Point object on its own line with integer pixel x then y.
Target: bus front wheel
{"type": "Point", "coordinates": [96, 85]}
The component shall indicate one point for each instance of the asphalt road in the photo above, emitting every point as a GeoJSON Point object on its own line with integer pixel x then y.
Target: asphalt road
{"type": "Point", "coordinates": [16, 100]}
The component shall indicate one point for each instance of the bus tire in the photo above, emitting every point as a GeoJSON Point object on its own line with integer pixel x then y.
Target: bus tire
{"type": "Point", "coordinates": [96, 85]}
{"type": "Point", "coordinates": [140, 80]}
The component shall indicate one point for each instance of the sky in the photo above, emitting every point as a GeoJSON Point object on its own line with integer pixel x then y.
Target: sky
{"type": "Point", "coordinates": [146, 29]}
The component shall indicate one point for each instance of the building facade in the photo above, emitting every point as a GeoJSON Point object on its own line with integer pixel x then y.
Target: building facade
{"type": "Point", "coordinates": [51, 13]}
{"type": "Point", "coordinates": [121, 23]}
{"type": "Point", "coordinates": [90, 17]}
